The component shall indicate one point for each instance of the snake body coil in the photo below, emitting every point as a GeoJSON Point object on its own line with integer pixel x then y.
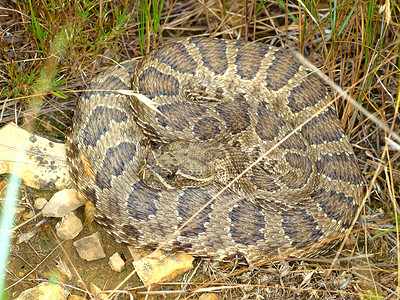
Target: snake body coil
{"type": "Point", "coordinates": [220, 105]}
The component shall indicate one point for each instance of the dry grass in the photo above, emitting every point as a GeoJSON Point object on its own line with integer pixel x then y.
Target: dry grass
{"type": "Point", "coordinates": [49, 50]}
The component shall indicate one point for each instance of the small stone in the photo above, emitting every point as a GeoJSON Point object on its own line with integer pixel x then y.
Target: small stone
{"type": "Point", "coordinates": [160, 266]}
{"type": "Point", "coordinates": [116, 263]}
{"type": "Point", "coordinates": [45, 290]}
{"type": "Point", "coordinates": [39, 203]}
{"type": "Point", "coordinates": [90, 248]}
{"type": "Point", "coordinates": [28, 215]}
{"type": "Point", "coordinates": [208, 296]}
{"type": "Point", "coordinates": [61, 204]}
{"type": "Point", "coordinates": [25, 237]}
{"type": "Point", "coordinates": [95, 290]}
{"type": "Point", "coordinates": [69, 227]}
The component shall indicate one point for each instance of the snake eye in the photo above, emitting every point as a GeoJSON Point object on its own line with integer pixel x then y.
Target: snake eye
{"type": "Point", "coordinates": [170, 176]}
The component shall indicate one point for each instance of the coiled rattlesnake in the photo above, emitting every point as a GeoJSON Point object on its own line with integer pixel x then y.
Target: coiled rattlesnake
{"type": "Point", "coordinates": [220, 106]}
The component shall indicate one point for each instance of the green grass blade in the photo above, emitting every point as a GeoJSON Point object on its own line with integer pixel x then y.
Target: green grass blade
{"type": "Point", "coordinates": [7, 219]}
{"type": "Point", "coordinates": [283, 6]}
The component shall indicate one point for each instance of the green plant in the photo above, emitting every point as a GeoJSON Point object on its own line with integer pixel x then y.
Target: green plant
{"type": "Point", "coordinates": [148, 20]}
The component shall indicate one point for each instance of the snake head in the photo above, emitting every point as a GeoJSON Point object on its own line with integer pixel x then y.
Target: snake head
{"type": "Point", "coordinates": [174, 166]}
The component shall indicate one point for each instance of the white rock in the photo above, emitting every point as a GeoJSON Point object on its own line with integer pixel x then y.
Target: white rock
{"type": "Point", "coordinates": [61, 204]}
{"type": "Point", "coordinates": [25, 237]}
{"type": "Point", "coordinates": [116, 263]}
{"type": "Point", "coordinates": [97, 292]}
{"type": "Point", "coordinates": [160, 266]}
{"type": "Point", "coordinates": [44, 165]}
{"type": "Point", "coordinates": [45, 290]}
{"type": "Point", "coordinates": [208, 296]}
{"type": "Point", "coordinates": [90, 248]}
{"type": "Point", "coordinates": [39, 203]}
{"type": "Point", "coordinates": [29, 215]}
{"type": "Point", "coordinates": [69, 227]}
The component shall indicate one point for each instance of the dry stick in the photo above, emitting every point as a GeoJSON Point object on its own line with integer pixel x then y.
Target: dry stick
{"type": "Point", "coordinates": [388, 141]}
{"type": "Point", "coordinates": [188, 281]}
{"type": "Point", "coordinates": [234, 286]}
{"type": "Point", "coordinates": [26, 222]}
{"type": "Point", "coordinates": [280, 287]}
{"type": "Point", "coordinates": [30, 152]}
{"type": "Point", "coordinates": [73, 266]}
{"type": "Point", "coordinates": [393, 198]}
{"type": "Point", "coordinates": [246, 19]}
{"type": "Point", "coordinates": [121, 283]}
{"type": "Point", "coordinates": [30, 272]}
{"type": "Point", "coordinates": [343, 94]}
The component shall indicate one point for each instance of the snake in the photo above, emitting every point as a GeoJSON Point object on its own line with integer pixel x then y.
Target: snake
{"type": "Point", "coordinates": [223, 149]}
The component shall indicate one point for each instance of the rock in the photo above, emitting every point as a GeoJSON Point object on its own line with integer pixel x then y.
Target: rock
{"type": "Point", "coordinates": [208, 296]}
{"type": "Point", "coordinates": [45, 290]}
{"type": "Point", "coordinates": [25, 237]}
{"type": "Point", "coordinates": [116, 263]}
{"type": "Point", "coordinates": [69, 227]}
{"type": "Point", "coordinates": [39, 203]}
{"type": "Point", "coordinates": [90, 248]}
{"type": "Point", "coordinates": [28, 215]}
{"type": "Point", "coordinates": [44, 166]}
{"type": "Point", "coordinates": [95, 290]}
{"type": "Point", "coordinates": [61, 204]}
{"type": "Point", "coordinates": [159, 266]}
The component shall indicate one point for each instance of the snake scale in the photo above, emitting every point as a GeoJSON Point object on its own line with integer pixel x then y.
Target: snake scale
{"type": "Point", "coordinates": [218, 106]}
